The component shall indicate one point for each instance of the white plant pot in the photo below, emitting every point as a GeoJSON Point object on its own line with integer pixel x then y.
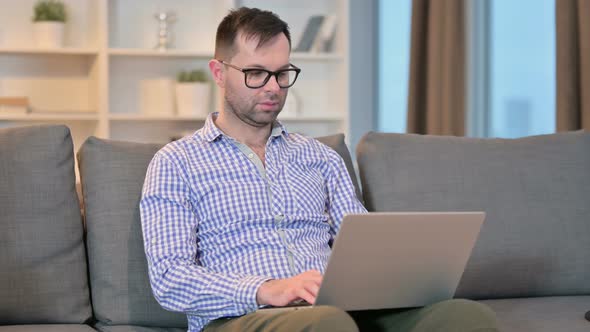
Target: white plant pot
{"type": "Point", "coordinates": [49, 34]}
{"type": "Point", "coordinates": [157, 97]}
{"type": "Point", "coordinates": [192, 99]}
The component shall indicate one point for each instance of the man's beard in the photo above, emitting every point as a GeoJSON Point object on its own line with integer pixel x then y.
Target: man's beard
{"type": "Point", "coordinates": [251, 116]}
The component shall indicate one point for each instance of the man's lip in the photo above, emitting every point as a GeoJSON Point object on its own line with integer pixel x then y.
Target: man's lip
{"type": "Point", "coordinates": [270, 103]}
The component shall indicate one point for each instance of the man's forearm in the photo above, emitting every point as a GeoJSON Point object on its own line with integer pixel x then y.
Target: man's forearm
{"type": "Point", "coordinates": [194, 290]}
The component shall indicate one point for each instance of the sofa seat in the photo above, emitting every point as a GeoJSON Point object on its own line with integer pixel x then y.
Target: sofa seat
{"type": "Point", "coordinates": [47, 328]}
{"type": "Point", "coordinates": [134, 328]}
{"type": "Point", "coordinates": [542, 314]}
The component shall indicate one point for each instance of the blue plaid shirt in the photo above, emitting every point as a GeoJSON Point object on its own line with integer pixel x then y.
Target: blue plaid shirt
{"type": "Point", "coordinates": [217, 223]}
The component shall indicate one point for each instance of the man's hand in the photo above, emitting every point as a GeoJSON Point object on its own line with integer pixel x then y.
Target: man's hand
{"type": "Point", "coordinates": [281, 292]}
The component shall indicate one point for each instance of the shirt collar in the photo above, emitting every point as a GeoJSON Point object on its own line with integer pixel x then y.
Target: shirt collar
{"type": "Point", "coordinates": [278, 129]}
{"type": "Point", "coordinates": [210, 131]}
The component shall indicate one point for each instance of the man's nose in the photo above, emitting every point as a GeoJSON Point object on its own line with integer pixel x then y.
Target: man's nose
{"type": "Point", "coordinates": [272, 84]}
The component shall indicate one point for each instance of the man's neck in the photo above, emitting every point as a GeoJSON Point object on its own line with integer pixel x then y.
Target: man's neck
{"type": "Point", "coordinates": [250, 135]}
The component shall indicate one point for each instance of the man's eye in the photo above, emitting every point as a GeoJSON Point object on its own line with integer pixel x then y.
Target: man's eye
{"type": "Point", "coordinates": [257, 73]}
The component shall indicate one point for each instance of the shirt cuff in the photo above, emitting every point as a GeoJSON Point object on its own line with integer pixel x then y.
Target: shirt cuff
{"type": "Point", "coordinates": [246, 293]}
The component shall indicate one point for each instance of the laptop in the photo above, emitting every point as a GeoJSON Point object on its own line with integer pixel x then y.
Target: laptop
{"type": "Point", "coordinates": [397, 260]}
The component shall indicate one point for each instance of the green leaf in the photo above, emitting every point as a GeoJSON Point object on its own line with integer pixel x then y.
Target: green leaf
{"type": "Point", "coordinates": [49, 10]}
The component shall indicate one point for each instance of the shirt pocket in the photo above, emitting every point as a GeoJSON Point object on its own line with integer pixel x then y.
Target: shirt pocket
{"type": "Point", "coordinates": [306, 188]}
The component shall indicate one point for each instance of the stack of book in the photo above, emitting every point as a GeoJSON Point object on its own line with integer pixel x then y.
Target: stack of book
{"type": "Point", "coordinates": [318, 35]}
{"type": "Point", "coordinates": [45, 95]}
{"type": "Point", "coordinates": [14, 105]}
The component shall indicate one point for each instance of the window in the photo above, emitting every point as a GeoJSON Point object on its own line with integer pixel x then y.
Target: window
{"type": "Point", "coordinates": [511, 69]}
{"type": "Point", "coordinates": [520, 86]}
{"type": "Point", "coordinates": [394, 64]}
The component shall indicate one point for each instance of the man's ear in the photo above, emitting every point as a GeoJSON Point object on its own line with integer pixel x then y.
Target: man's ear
{"type": "Point", "coordinates": [217, 72]}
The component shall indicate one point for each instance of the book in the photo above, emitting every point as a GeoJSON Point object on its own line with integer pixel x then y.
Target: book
{"type": "Point", "coordinates": [14, 105]}
{"type": "Point", "coordinates": [325, 39]}
{"type": "Point", "coordinates": [46, 94]}
{"type": "Point", "coordinates": [308, 38]}
{"type": "Point", "coordinates": [14, 101]}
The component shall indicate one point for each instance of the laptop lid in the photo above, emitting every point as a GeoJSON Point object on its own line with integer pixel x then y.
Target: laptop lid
{"type": "Point", "coordinates": [398, 260]}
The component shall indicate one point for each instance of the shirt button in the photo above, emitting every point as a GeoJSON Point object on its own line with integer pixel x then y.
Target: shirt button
{"type": "Point", "coordinates": [154, 241]}
{"type": "Point", "coordinates": [251, 155]}
{"type": "Point", "coordinates": [279, 217]}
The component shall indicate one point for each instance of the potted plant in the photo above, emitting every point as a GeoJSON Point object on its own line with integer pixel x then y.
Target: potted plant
{"type": "Point", "coordinates": [49, 19]}
{"type": "Point", "coordinates": [192, 93]}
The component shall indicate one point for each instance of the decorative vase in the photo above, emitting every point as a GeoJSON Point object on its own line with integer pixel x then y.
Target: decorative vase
{"type": "Point", "coordinates": [192, 99]}
{"type": "Point", "coordinates": [49, 34]}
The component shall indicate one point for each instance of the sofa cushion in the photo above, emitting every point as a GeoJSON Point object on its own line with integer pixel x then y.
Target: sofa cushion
{"type": "Point", "coordinates": [337, 143]}
{"type": "Point", "coordinates": [135, 328]}
{"type": "Point", "coordinates": [43, 278]}
{"type": "Point", "coordinates": [536, 237]}
{"type": "Point", "coordinates": [542, 314]}
{"type": "Point", "coordinates": [47, 328]}
{"type": "Point", "coordinates": [112, 175]}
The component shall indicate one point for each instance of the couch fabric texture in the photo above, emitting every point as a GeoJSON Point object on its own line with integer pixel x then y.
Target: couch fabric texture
{"type": "Point", "coordinates": [558, 313]}
{"type": "Point", "coordinates": [112, 175]}
{"type": "Point", "coordinates": [47, 328]}
{"type": "Point", "coordinates": [43, 278]}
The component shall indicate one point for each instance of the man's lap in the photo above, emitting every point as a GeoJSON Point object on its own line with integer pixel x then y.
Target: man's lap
{"type": "Point", "coordinates": [452, 315]}
{"type": "Point", "coordinates": [320, 318]}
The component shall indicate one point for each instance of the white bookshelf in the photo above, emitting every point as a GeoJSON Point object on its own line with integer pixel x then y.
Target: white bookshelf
{"type": "Point", "coordinates": [147, 118]}
{"type": "Point", "coordinates": [108, 52]}
{"type": "Point", "coordinates": [49, 117]}
{"type": "Point", "coordinates": [130, 52]}
{"type": "Point", "coordinates": [60, 51]}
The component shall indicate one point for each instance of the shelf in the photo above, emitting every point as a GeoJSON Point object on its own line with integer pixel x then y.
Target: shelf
{"type": "Point", "coordinates": [159, 54]}
{"type": "Point", "coordinates": [326, 118]}
{"type": "Point", "coordinates": [142, 117]}
{"type": "Point", "coordinates": [316, 56]}
{"type": "Point", "coordinates": [54, 51]}
{"type": "Point", "coordinates": [137, 52]}
{"type": "Point", "coordinates": [49, 117]}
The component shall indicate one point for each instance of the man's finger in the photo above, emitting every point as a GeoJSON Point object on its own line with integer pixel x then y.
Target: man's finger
{"type": "Point", "coordinates": [317, 277]}
{"type": "Point", "coordinates": [315, 273]}
{"type": "Point", "coordinates": [312, 288]}
{"type": "Point", "coordinates": [316, 280]}
{"type": "Point", "coordinates": [306, 295]}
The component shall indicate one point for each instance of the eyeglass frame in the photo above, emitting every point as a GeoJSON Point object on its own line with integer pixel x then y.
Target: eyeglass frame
{"type": "Point", "coordinates": [269, 73]}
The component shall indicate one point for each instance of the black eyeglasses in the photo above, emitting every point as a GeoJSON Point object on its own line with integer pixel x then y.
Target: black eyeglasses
{"type": "Point", "coordinates": [255, 78]}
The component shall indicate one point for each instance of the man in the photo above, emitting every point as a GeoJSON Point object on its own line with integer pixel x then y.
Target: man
{"type": "Point", "coordinates": [241, 214]}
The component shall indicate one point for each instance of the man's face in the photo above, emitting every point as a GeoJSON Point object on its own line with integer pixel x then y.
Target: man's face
{"type": "Point", "coordinates": [256, 107]}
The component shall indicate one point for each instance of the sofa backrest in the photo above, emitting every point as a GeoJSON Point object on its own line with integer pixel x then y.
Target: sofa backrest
{"type": "Point", "coordinates": [536, 237]}
{"type": "Point", "coordinates": [112, 175]}
{"type": "Point", "coordinates": [43, 278]}
{"type": "Point", "coordinates": [337, 143]}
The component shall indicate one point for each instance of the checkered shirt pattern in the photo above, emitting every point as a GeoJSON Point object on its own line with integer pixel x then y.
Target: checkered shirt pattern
{"type": "Point", "coordinates": [216, 225]}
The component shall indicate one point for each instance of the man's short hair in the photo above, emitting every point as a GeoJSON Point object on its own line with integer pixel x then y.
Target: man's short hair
{"type": "Point", "coordinates": [252, 23]}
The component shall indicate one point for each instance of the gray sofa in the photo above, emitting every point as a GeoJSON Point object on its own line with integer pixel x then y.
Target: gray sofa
{"type": "Point", "coordinates": [531, 261]}
{"type": "Point", "coordinates": [60, 272]}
